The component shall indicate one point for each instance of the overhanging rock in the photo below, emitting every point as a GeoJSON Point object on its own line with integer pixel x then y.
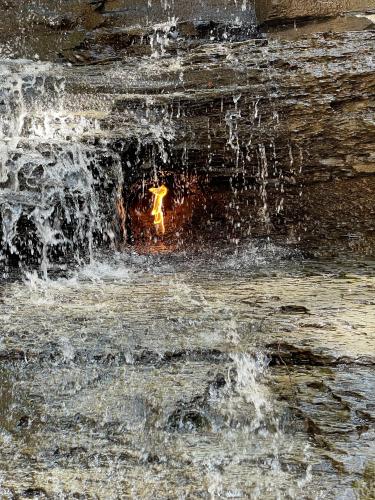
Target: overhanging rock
{"type": "Point", "coordinates": [274, 133]}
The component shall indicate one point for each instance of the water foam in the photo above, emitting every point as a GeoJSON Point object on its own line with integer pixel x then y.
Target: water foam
{"type": "Point", "coordinates": [50, 173]}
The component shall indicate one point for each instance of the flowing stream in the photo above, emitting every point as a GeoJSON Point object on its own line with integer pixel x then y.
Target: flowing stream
{"type": "Point", "coordinates": [245, 371]}
{"type": "Point", "coordinates": [171, 377]}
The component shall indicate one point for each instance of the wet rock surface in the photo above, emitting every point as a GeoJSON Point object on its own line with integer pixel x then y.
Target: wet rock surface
{"type": "Point", "coordinates": [278, 11]}
{"type": "Point", "coordinates": [273, 133]}
{"type": "Point", "coordinates": [50, 28]}
{"type": "Point", "coordinates": [226, 390]}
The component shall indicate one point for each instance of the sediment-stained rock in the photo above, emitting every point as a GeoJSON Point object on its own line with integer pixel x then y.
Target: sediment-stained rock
{"type": "Point", "coordinates": [278, 11]}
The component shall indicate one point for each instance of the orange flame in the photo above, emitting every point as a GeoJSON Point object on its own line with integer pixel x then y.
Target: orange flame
{"type": "Point", "coordinates": [157, 208]}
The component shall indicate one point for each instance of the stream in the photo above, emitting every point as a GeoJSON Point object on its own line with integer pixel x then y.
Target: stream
{"type": "Point", "coordinates": [244, 376]}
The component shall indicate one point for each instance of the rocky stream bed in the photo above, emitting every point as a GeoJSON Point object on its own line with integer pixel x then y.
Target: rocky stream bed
{"type": "Point", "coordinates": [177, 378]}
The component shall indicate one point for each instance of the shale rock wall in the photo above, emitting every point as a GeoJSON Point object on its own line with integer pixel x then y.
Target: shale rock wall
{"type": "Point", "coordinates": [276, 11]}
{"type": "Point", "coordinates": [288, 125]}
{"type": "Point", "coordinates": [271, 120]}
{"type": "Point", "coordinates": [48, 28]}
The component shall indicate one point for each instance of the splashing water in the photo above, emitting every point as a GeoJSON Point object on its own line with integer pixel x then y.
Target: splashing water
{"type": "Point", "coordinates": [49, 172]}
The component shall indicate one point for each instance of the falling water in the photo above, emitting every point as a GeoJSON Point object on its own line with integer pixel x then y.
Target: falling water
{"type": "Point", "coordinates": [50, 168]}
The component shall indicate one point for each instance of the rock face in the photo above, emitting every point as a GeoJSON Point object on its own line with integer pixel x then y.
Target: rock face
{"type": "Point", "coordinates": [47, 28]}
{"type": "Point", "coordinates": [255, 134]}
{"type": "Point", "coordinates": [276, 11]}
{"type": "Point", "coordinates": [270, 119]}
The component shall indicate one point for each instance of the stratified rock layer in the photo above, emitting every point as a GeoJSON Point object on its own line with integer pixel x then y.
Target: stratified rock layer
{"type": "Point", "coordinates": [274, 133]}
{"type": "Point", "coordinates": [292, 123]}
{"type": "Point", "coordinates": [276, 11]}
{"type": "Point", "coordinates": [47, 28]}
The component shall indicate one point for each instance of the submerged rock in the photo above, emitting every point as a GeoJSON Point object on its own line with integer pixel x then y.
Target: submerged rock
{"type": "Point", "coordinates": [291, 309]}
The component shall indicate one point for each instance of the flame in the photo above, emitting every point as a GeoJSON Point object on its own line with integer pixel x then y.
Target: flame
{"type": "Point", "coordinates": [157, 208]}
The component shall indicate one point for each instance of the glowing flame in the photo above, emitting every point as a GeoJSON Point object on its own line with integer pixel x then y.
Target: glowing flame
{"type": "Point", "coordinates": [157, 208]}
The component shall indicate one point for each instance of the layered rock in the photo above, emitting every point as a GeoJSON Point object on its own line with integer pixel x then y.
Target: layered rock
{"type": "Point", "coordinates": [276, 11]}
{"type": "Point", "coordinates": [271, 121]}
{"type": "Point", "coordinates": [48, 28]}
{"type": "Point", "coordinates": [260, 135]}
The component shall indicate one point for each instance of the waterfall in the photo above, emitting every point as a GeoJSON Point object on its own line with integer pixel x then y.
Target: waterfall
{"type": "Point", "coordinates": [53, 170]}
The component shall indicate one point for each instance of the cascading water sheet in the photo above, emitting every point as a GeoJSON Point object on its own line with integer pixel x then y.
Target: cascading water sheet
{"type": "Point", "coordinates": [50, 169]}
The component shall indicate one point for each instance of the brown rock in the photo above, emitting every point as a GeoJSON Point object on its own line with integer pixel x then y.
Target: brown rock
{"type": "Point", "coordinates": [276, 11]}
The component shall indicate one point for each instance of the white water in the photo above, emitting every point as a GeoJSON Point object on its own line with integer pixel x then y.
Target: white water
{"type": "Point", "coordinates": [50, 175]}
